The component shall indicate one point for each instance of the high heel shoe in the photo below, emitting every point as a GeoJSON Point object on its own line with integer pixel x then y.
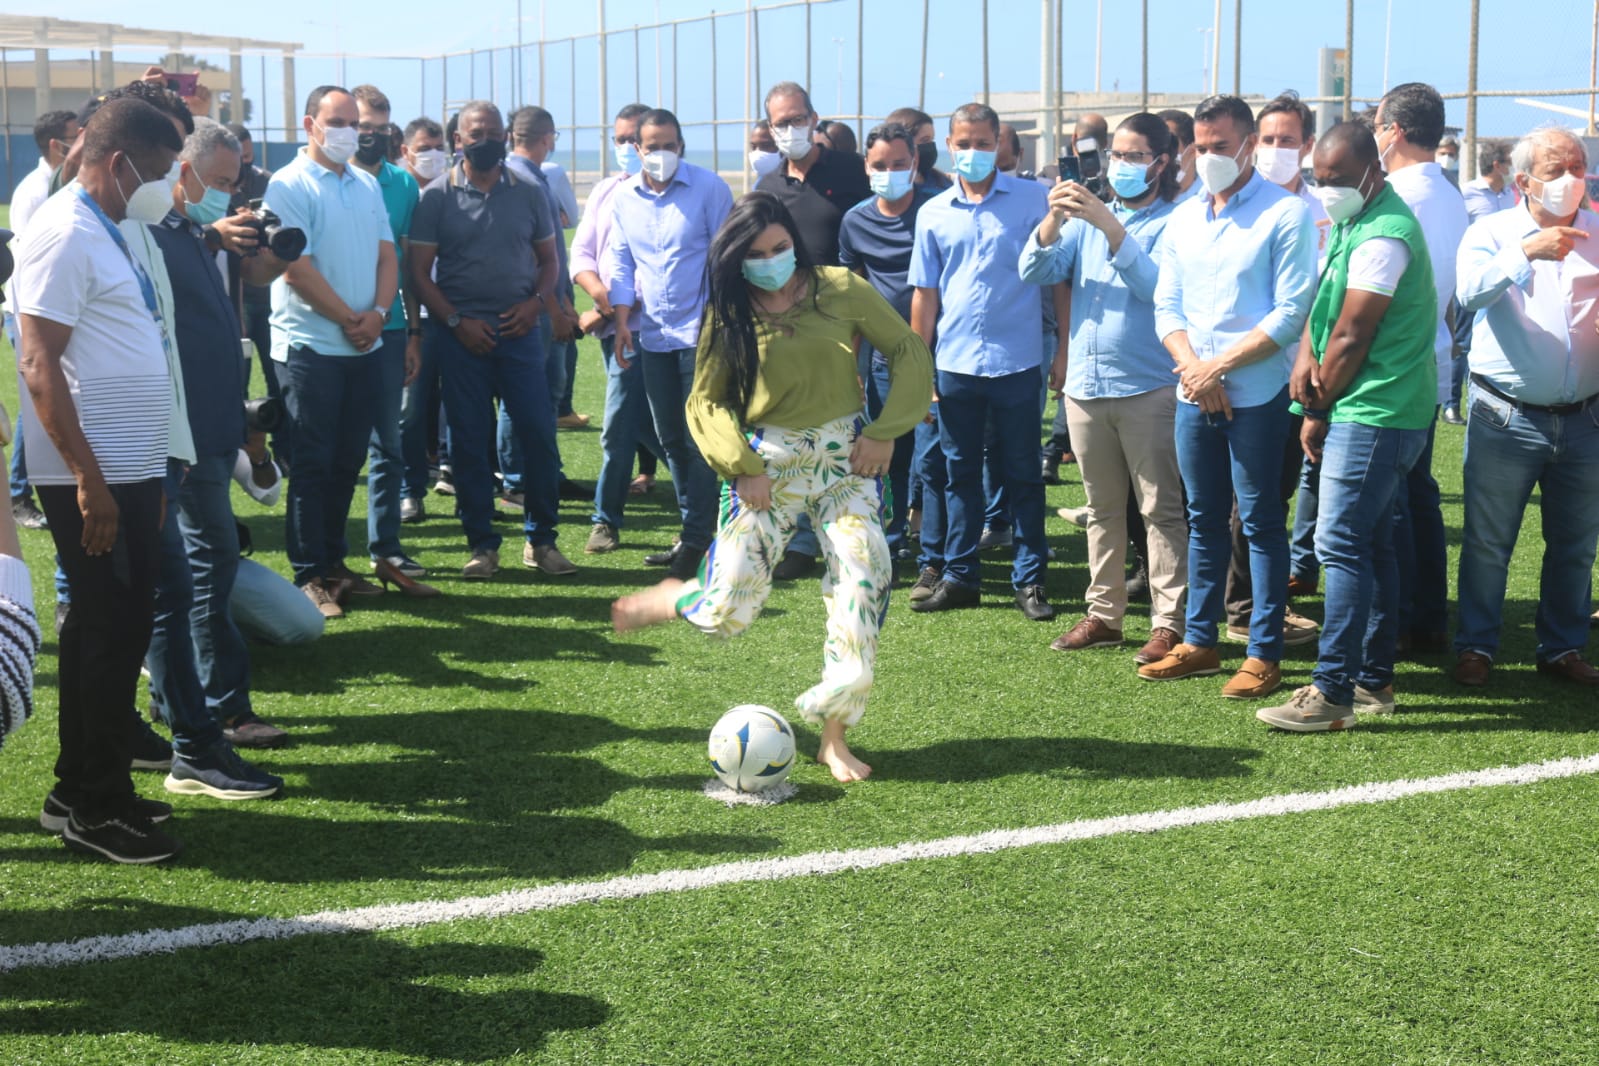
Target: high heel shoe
{"type": "Point", "coordinates": [389, 574]}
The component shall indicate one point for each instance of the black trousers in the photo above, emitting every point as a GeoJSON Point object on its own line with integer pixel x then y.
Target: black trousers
{"type": "Point", "coordinates": [103, 642]}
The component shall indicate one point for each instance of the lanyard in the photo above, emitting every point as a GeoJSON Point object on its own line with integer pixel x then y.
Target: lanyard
{"type": "Point", "coordinates": [146, 286]}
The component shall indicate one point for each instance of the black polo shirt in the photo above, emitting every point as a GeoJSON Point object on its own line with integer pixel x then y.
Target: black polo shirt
{"type": "Point", "coordinates": [207, 335]}
{"type": "Point", "coordinates": [833, 185]}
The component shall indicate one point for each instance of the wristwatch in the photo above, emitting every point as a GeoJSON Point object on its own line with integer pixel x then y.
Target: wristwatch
{"type": "Point", "coordinates": [453, 321]}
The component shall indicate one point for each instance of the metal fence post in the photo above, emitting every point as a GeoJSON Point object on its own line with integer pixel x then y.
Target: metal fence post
{"type": "Point", "coordinates": [716, 143]}
{"type": "Point", "coordinates": [1469, 149]}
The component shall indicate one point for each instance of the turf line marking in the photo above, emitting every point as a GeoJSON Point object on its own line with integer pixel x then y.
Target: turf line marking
{"type": "Point", "coordinates": [814, 864]}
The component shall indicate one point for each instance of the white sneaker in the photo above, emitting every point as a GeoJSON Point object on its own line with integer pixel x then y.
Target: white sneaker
{"type": "Point", "coordinates": [1380, 701]}
{"type": "Point", "coordinates": [1308, 711]}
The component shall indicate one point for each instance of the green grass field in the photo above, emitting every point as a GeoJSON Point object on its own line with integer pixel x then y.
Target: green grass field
{"type": "Point", "coordinates": [502, 737]}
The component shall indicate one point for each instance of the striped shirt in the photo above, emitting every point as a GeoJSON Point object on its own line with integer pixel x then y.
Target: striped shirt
{"type": "Point", "coordinates": [19, 644]}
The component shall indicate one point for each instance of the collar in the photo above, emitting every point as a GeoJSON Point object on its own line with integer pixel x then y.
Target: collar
{"type": "Point", "coordinates": [175, 221]}
{"type": "Point", "coordinates": [458, 179]}
{"type": "Point", "coordinates": [1002, 184]}
{"type": "Point", "coordinates": [326, 172]}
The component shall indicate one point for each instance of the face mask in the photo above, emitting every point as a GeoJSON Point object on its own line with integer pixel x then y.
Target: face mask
{"type": "Point", "coordinates": [430, 163]}
{"type": "Point", "coordinates": [763, 163]}
{"type": "Point", "coordinates": [660, 166]}
{"type": "Point", "coordinates": [793, 141]}
{"type": "Point", "coordinates": [338, 142]}
{"type": "Point", "coordinates": [152, 200]}
{"type": "Point", "coordinates": [1449, 162]}
{"type": "Point", "coordinates": [926, 158]}
{"type": "Point", "coordinates": [1129, 179]}
{"type": "Point", "coordinates": [974, 165]}
{"type": "Point", "coordinates": [1280, 166]}
{"type": "Point", "coordinates": [627, 158]}
{"type": "Point", "coordinates": [891, 184]}
{"type": "Point", "coordinates": [483, 156]}
{"type": "Point", "coordinates": [1560, 196]}
{"type": "Point", "coordinates": [1342, 204]}
{"type": "Point", "coordinates": [1218, 172]}
{"type": "Point", "coordinates": [770, 274]}
{"type": "Point", "coordinates": [371, 147]}
{"type": "Point", "coordinates": [213, 204]}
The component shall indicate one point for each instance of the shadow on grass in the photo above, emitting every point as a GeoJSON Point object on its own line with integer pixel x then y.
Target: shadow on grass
{"type": "Point", "coordinates": [982, 759]}
{"type": "Point", "coordinates": [449, 1002]}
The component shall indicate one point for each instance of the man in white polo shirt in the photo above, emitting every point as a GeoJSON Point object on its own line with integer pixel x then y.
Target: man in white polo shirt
{"type": "Point", "coordinates": [96, 391]}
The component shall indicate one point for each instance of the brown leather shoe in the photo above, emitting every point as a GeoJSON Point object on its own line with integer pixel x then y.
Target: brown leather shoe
{"type": "Point", "coordinates": [1255, 678]}
{"type": "Point", "coordinates": [1571, 668]}
{"type": "Point", "coordinates": [1091, 632]}
{"type": "Point", "coordinates": [1472, 668]}
{"type": "Point", "coordinates": [1184, 660]}
{"type": "Point", "coordinates": [353, 584]}
{"type": "Point", "coordinates": [1161, 642]}
{"type": "Point", "coordinates": [389, 574]}
{"type": "Point", "coordinates": [318, 592]}
{"type": "Point", "coordinates": [1298, 586]}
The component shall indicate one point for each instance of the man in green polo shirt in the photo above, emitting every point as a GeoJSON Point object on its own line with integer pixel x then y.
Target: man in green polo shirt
{"type": "Point", "coordinates": [1367, 384]}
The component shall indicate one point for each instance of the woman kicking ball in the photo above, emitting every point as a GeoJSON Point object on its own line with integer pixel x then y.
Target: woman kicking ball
{"type": "Point", "coordinates": [776, 410]}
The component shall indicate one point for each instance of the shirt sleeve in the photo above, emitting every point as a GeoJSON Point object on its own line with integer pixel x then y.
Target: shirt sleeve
{"type": "Point", "coordinates": [291, 202]}
{"type": "Point", "coordinates": [1169, 293]}
{"type": "Point", "coordinates": [1047, 266]}
{"type": "Point", "coordinates": [717, 429]}
{"type": "Point", "coordinates": [910, 364]}
{"type": "Point", "coordinates": [1484, 271]}
{"type": "Point", "coordinates": [425, 222]}
{"type": "Point", "coordinates": [848, 255]}
{"type": "Point", "coordinates": [1293, 260]}
{"type": "Point", "coordinates": [1377, 264]}
{"type": "Point", "coordinates": [619, 257]}
{"type": "Point", "coordinates": [58, 276]}
{"type": "Point", "coordinates": [543, 212]}
{"type": "Point", "coordinates": [19, 643]}
{"type": "Point", "coordinates": [585, 251]}
{"type": "Point", "coordinates": [927, 261]}
{"type": "Point", "coordinates": [1138, 266]}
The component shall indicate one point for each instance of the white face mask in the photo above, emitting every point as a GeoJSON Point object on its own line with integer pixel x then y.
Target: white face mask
{"type": "Point", "coordinates": [763, 163]}
{"type": "Point", "coordinates": [338, 142]}
{"type": "Point", "coordinates": [1560, 196]}
{"type": "Point", "coordinates": [1218, 172]}
{"type": "Point", "coordinates": [660, 166]}
{"type": "Point", "coordinates": [430, 163]}
{"type": "Point", "coordinates": [1449, 162]}
{"type": "Point", "coordinates": [794, 141]}
{"type": "Point", "coordinates": [1280, 166]}
{"type": "Point", "coordinates": [1342, 204]}
{"type": "Point", "coordinates": [151, 200]}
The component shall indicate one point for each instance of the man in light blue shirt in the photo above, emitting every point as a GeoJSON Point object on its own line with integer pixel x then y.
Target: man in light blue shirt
{"type": "Point", "coordinates": [1530, 277]}
{"type": "Point", "coordinates": [328, 314]}
{"type": "Point", "coordinates": [1237, 275]}
{"type": "Point", "coordinates": [662, 226]}
{"type": "Point", "coordinates": [1121, 395]}
{"type": "Point", "coordinates": [1487, 194]}
{"type": "Point", "coordinates": [989, 328]}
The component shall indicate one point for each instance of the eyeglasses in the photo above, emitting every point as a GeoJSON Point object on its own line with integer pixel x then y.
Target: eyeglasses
{"type": "Point", "coordinates": [1130, 157]}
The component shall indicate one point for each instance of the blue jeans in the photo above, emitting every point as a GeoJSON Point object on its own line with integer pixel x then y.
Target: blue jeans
{"type": "Point", "coordinates": [1219, 458]}
{"type": "Point", "coordinates": [932, 474]}
{"type": "Point", "coordinates": [627, 425]}
{"type": "Point", "coordinates": [1302, 562]}
{"type": "Point", "coordinates": [514, 371]}
{"type": "Point", "coordinates": [418, 401]}
{"type": "Point", "coordinates": [896, 518]}
{"type": "Point", "coordinates": [175, 691]}
{"type": "Point", "coordinates": [1508, 452]}
{"type": "Point", "coordinates": [1422, 548]}
{"type": "Point", "coordinates": [1363, 470]}
{"type": "Point", "coordinates": [332, 402]}
{"type": "Point", "coordinates": [567, 353]}
{"type": "Point", "coordinates": [668, 378]}
{"type": "Point", "coordinates": [271, 609]}
{"type": "Point", "coordinates": [996, 514]}
{"type": "Point", "coordinates": [385, 474]}
{"type": "Point", "coordinates": [967, 406]}
{"type": "Point", "coordinates": [506, 442]}
{"type": "Point", "coordinates": [211, 537]}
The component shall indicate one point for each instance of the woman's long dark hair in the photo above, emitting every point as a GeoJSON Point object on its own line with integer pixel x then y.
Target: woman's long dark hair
{"type": "Point", "coordinates": [732, 315]}
{"type": "Point", "coordinates": [1155, 132]}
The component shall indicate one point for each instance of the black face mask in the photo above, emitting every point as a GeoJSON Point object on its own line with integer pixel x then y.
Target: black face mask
{"type": "Point", "coordinates": [484, 155]}
{"type": "Point", "coordinates": [926, 158]}
{"type": "Point", "coordinates": [372, 147]}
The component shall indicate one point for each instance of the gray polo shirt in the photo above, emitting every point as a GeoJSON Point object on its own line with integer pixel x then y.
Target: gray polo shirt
{"type": "Point", "coordinates": [484, 240]}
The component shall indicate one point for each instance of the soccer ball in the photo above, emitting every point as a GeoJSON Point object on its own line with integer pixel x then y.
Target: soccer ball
{"type": "Point", "coordinates": [752, 748]}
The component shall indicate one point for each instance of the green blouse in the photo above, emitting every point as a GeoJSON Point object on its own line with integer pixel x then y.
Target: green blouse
{"type": "Point", "coordinates": [807, 374]}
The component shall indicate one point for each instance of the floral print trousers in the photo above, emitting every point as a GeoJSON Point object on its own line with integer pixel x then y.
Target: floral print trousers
{"type": "Point", "coordinates": [810, 474]}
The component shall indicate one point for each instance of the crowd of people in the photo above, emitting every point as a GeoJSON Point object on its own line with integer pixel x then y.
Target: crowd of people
{"type": "Point", "coordinates": [845, 371]}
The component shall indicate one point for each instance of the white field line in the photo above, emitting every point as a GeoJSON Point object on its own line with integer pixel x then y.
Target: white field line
{"type": "Point", "coordinates": [820, 863]}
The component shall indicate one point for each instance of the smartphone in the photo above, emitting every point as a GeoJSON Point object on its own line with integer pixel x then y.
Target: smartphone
{"type": "Point", "coordinates": [183, 84]}
{"type": "Point", "coordinates": [1070, 169]}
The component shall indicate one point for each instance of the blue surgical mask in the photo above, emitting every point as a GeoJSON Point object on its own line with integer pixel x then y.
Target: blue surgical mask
{"type": "Point", "coordinates": [973, 165]}
{"type": "Point", "coordinates": [891, 184]}
{"type": "Point", "coordinates": [628, 159]}
{"type": "Point", "coordinates": [212, 206]}
{"type": "Point", "coordinates": [1128, 179]}
{"type": "Point", "coordinates": [770, 274]}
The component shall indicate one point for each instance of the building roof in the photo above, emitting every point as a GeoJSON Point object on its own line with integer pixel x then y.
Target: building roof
{"type": "Point", "coordinates": [35, 31]}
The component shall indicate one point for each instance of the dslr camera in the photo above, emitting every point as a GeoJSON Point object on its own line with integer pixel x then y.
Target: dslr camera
{"type": "Point", "coordinates": [264, 415]}
{"type": "Point", "coordinates": [285, 242]}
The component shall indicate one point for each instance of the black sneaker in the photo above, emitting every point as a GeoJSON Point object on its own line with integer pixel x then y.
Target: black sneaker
{"type": "Point", "coordinates": [575, 490]}
{"type": "Point", "coordinates": [221, 774]}
{"type": "Point", "coordinates": [27, 513]}
{"type": "Point", "coordinates": [664, 558]}
{"type": "Point", "coordinates": [793, 566]}
{"type": "Point", "coordinates": [248, 731]}
{"type": "Point", "coordinates": [62, 610]}
{"type": "Point", "coordinates": [1030, 598]}
{"type": "Point", "coordinates": [55, 813]}
{"type": "Point", "coordinates": [151, 751]}
{"type": "Point", "coordinates": [948, 596]}
{"type": "Point", "coordinates": [685, 565]}
{"type": "Point", "coordinates": [120, 838]}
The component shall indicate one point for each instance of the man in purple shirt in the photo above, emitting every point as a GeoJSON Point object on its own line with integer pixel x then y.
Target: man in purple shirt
{"type": "Point", "coordinates": [662, 225]}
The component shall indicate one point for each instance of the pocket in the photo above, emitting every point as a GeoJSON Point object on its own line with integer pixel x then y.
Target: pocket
{"type": "Point", "coordinates": [1491, 409]}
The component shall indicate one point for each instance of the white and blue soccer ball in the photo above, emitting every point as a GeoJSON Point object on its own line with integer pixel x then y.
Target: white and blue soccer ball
{"type": "Point", "coordinates": [752, 748]}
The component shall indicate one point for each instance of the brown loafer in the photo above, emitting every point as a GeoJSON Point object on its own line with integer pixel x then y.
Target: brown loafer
{"type": "Point", "coordinates": [1571, 667]}
{"type": "Point", "coordinates": [1255, 678]}
{"type": "Point", "coordinates": [1161, 642]}
{"type": "Point", "coordinates": [1472, 668]}
{"type": "Point", "coordinates": [1184, 660]}
{"type": "Point", "coordinates": [1091, 632]}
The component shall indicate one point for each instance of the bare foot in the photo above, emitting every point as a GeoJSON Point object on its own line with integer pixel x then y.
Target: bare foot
{"type": "Point", "coordinates": [836, 756]}
{"type": "Point", "coordinates": [651, 607]}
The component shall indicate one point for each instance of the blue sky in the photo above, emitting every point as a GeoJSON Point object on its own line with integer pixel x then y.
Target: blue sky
{"type": "Point", "coordinates": [1427, 42]}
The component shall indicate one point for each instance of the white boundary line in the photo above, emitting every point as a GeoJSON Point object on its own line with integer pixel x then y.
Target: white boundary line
{"type": "Point", "coordinates": [813, 864]}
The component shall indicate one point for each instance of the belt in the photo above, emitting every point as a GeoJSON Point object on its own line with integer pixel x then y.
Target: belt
{"type": "Point", "coordinates": [1522, 405]}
